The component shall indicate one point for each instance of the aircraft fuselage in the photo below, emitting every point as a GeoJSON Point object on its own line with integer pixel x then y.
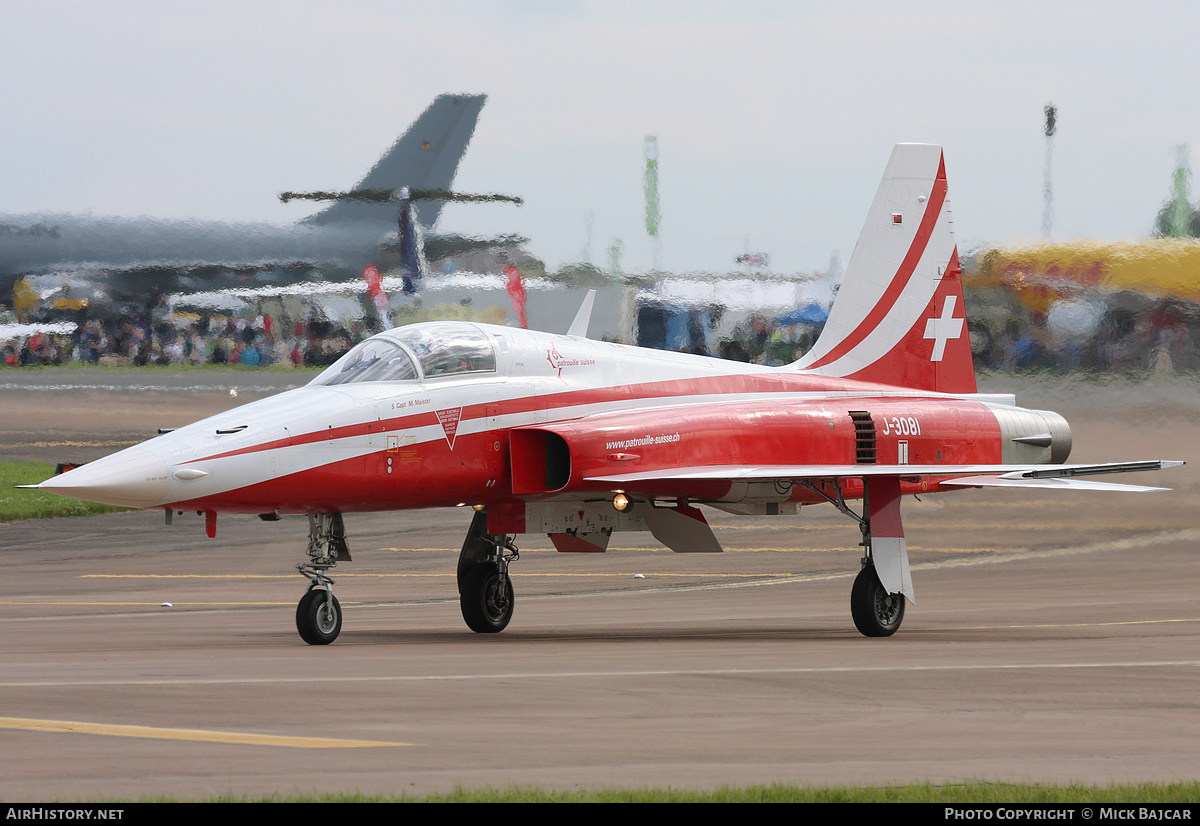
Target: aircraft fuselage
{"type": "Point", "coordinates": [142, 256]}
{"type": "Point", "coordinates": [555, 413]}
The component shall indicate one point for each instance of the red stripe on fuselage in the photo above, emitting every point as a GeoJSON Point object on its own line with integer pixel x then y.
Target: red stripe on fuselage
{"type": "Point", "coordinates": [329, 434]}
{"type": "Point", "coordinates": [715, 386]}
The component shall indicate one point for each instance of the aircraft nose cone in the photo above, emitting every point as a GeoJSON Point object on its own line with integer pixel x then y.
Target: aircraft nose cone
{"type": "Point", "coordinates": [133, 478]}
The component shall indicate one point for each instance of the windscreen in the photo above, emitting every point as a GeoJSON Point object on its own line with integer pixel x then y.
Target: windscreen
{"type": "Point", "coordinates": [376, 359]}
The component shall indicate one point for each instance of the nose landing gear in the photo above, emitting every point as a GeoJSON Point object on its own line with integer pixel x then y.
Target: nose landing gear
{"type": "Point", "coordinates": [484, 587]}
{"type": "Point", "coordinates": [319, 614]}
{"type": "Point", "coordinates": [487, 599]}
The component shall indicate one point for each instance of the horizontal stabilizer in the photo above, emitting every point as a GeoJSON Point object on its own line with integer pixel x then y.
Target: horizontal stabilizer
{"type": "Point", "coordinates": [381, 196]}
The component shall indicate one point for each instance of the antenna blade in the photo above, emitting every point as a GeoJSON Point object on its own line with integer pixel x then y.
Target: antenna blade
{"type": "Point", "coordinates": [579, 326]}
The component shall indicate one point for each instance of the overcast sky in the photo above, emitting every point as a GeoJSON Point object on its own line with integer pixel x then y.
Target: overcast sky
{"type": "Point", "coordinates": [774, 119]}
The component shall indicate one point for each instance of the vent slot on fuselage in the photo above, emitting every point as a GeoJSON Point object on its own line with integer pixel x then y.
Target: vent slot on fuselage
{"type": "Point", "coordinates": [864, 437]}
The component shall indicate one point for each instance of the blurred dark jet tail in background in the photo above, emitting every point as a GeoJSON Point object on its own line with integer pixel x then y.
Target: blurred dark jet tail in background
{"type": "Point", "coordinates": [424, 157]}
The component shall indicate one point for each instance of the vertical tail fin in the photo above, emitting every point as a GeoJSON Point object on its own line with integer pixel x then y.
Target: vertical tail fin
{"type": "Point", "coordinates": [424, 157]}
{"type": "Point", "coordinates": [899, 318]}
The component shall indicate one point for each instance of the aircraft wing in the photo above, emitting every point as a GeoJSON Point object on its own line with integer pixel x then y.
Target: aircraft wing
{"type": "Point", "coordinates": [1031, 476]}
{"type": "Point", "coordinates": [449, 246]}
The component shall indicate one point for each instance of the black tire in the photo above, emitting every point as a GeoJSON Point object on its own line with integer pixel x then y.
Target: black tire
{"type": "Point", "coordinates": [876, 612]}
{"type": "Point", "coordinates": [486, 599]}
{"type": "Point", "coordinates": [317, 624]}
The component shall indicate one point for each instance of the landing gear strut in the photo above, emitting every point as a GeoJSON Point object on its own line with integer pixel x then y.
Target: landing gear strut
{"type": "Point", "coordinates": [319, 614]}
{"type": "Point", "coordinates": [484, 588]}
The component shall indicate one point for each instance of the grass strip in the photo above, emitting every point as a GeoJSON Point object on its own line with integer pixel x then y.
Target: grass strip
{"type": "Point", "coordinates": [974, 791]}
{"type": "Point", "coordinates": [34, 504]}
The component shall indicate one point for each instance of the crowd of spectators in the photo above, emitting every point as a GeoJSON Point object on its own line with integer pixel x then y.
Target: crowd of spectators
{"type": "Point", "coordinates": [760, 340]}
{"type": "Point", "coordinates": [1165, 339]}
{"type": "Point", "coordinates": [253, 342]}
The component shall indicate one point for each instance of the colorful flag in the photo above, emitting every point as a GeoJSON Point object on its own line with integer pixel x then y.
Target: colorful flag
{"type": "Point", "coordinates": [516, 291]}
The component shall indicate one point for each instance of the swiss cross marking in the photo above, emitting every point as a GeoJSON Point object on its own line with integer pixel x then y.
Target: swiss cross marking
{"type": "Point", "coordinates": [943, 329]}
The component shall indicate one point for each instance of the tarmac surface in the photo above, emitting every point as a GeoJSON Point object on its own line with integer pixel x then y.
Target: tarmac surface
{"type": "Point", "coordinates": [1055, 638]}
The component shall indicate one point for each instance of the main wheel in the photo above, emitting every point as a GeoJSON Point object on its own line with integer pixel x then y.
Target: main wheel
{"type": "Point", "coordinates": [486, 599]}
{"type": "Point", "coordinates": [319, 617]}
{"type": "Point", "coordinates": [876, 612]}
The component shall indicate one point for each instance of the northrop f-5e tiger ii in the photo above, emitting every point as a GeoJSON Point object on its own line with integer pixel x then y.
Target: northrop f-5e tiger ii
{"type": "Point", "coordinates": [580, 439]}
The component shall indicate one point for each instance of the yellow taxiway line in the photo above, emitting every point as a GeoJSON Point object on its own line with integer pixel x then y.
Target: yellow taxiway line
{"type": "Point", "coordinates": [194, 735]}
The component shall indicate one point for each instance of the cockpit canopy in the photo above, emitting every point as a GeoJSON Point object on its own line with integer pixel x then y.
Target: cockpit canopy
{"type": "Point", "coordinates": [440, 348]}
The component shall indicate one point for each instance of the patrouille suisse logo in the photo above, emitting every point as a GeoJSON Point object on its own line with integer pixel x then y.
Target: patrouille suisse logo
{"type": "Point", "coordinates": [555, 359]}
{"type": "Point", "coordinates": [558, 362]}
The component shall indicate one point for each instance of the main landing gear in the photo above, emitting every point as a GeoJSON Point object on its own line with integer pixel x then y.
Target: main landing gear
{"type": "Point", "coordinates": [876, 611]}
{"type": "Point", "coordinates": [484, 587]}
{"type": "Point", "coordinates": [319, 615]}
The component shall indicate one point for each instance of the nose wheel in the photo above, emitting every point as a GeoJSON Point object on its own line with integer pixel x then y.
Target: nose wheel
{"type": "Point", "coordinates": [485, 591]}
{"type": "Point", "coordinates": [319, 617]}
{"type": "Point", "coordinates": [486, 598]}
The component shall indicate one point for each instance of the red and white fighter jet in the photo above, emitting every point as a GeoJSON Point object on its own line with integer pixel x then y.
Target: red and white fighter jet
{"type": "Point", "coordinates": [578, 438]}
